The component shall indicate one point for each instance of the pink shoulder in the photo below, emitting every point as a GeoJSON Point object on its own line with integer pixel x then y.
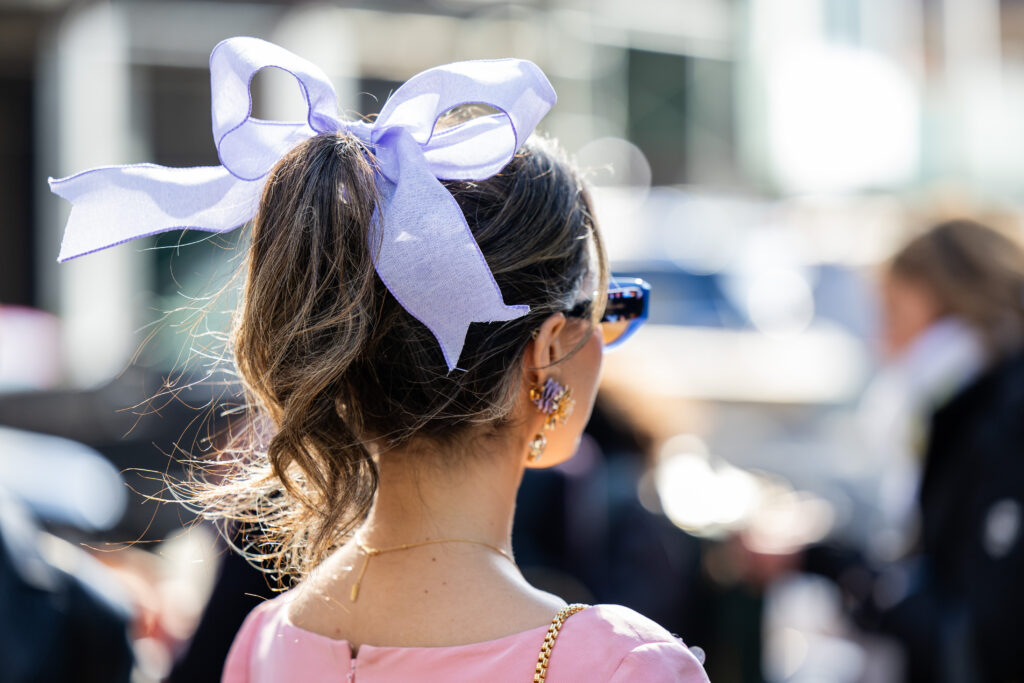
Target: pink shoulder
{"type": "Point", "coordinates": [238, 663]}
{"type": "Point", "coordinates": [660, 663]}
{"type": "Point", "coordinates": [615, 643]}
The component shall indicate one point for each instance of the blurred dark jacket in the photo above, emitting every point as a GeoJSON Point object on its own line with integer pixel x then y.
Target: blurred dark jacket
{"type": "Point", "coordinates": [56, 625]}
{"type": "Point", "coordinates": [956, 603]}
{"type": "Point", "coordinates": [969, 597]}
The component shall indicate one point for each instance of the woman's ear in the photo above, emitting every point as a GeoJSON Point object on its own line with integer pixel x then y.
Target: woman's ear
{"type": "Point", "coordinates": [547, 345]}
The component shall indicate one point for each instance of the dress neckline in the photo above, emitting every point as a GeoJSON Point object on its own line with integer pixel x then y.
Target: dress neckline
{"type": "Point", "coordinates": [286, 621]}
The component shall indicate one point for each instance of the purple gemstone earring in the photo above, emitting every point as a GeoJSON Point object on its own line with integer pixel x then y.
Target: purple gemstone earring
{"type": "Point", "coordinates": [556, 402]}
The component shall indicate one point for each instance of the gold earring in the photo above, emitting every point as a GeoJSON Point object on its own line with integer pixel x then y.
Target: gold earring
{"type": "Point", "coordinates": [556, 402]}
{"type": "Point", "coordinates": [537, 447]}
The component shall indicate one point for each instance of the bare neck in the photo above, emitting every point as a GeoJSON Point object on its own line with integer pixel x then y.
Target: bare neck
{"type": "Point", "coordinates": [445, 594]}
{"type": "Point", "coordinates": [421, 497]}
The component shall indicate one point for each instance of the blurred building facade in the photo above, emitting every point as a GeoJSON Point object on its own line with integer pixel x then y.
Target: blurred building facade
{"type": "Point", "coordinates": [734, 104]}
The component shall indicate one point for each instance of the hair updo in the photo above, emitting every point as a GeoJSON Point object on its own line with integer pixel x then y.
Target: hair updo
{"type": "Point", "coordinates": [330, 361]}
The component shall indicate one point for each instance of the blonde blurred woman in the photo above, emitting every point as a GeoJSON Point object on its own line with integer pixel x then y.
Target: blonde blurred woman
{"type": "Point", "coordinates": [954, 326]}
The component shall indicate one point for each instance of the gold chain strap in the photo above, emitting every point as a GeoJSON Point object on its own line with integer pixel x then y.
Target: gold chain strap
{"type": "Point", "coordinates": [541, 672]}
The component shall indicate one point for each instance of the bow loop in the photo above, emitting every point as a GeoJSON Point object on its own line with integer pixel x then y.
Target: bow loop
{"type": "Point", "coordinates": [480, 147]}
{"type": "Point", "coordinates": [249, 147]}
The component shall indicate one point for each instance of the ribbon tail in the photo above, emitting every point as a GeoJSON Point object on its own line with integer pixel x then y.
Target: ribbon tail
{"type": "Point", "coordinates": [429, 260]}
{"type": "Point", "coordinates": [115, 204]}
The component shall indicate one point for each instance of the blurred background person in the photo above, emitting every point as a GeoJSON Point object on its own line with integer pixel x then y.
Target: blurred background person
{"type": "Point", "coordinates": [63, 615]}
{"type": "Point", "coordinates": [953, 396]}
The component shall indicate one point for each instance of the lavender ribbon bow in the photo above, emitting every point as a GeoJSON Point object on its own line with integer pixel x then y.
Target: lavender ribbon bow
{"type": "Point", "coordinates": [428, 258]}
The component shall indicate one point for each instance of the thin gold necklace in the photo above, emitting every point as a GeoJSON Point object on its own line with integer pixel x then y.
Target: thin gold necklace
{"type": "Point", "coordinates": [373, 552]}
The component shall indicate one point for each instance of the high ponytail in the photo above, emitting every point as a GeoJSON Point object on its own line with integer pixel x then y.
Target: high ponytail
{"type": "Point", "coordinates": [306, 313]}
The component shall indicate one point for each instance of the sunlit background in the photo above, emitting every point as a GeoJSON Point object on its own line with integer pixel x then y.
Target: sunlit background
{"type": "Point", "coordinates": [755, 160]}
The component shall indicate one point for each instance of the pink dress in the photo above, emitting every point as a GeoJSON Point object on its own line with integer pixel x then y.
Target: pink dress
{"type": "Point", "coordinates": [601, 643]}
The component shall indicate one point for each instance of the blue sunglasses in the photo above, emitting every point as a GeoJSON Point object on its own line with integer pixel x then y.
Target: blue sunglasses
{"type": "Point", "coordinates": [628, 301]}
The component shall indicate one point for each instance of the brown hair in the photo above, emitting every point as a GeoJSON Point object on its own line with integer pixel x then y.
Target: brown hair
{"type": "Point", "coordinates": [331, 362]}
{"type": "Point", "coordinates": [976, 273]}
